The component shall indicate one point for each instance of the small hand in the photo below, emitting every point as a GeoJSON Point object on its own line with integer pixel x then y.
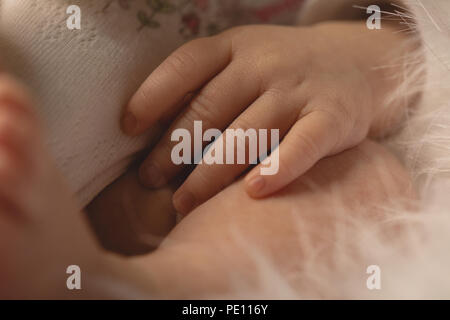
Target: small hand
{"type": "Point", "coordinates": [310, 83]}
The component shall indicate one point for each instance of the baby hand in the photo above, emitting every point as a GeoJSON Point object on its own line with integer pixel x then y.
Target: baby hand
{"type": "Point", "coordinates": [316, 85]}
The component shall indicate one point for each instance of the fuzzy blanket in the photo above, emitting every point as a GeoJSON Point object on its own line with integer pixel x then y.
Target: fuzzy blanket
{"type": "Point", "coordinates": [415, 265]}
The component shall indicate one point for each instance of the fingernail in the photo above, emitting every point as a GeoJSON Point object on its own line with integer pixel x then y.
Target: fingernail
{"type": "Point", "coordinates": [255, 185]}
{"type": "Point", "coordinates": [184, 202]}
{"type": "Point", "coordinates": [151, 176]}
{"type": "Point", "coordinates": [129, 123]}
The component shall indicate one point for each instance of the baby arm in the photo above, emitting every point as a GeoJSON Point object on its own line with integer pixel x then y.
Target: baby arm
{"type": "Point", "coordinates": [318, 85]}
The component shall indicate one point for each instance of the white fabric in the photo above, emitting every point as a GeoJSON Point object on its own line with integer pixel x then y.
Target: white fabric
{"type": "Point", "coordinates": [81, 80]}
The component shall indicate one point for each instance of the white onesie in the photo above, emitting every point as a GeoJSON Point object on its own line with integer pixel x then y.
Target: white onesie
{"type": "Point", "coordinates": [82, 78]}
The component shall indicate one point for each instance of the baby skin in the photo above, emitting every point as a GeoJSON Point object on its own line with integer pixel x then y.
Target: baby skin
{"type": "Point", "coordinates": [318, 85]}
{"type": "Point", "coordinates": [43, 232]}
{"type": "Point", "coordinates": [322, 87]}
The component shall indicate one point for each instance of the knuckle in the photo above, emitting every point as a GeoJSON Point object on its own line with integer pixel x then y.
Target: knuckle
{"type": "Point", "coordinates": [201, 185]}
{"type": "Point", "coordinates": [251, 69]}
{"type": "Point", "coordinates": [339, 109]}
{"type": "Point", "coordinates": [276, 94]}
{"type": "Point", "coordinates": [286, 169]}
{"type": "Point", "coordinates": [334, 120]}
{"type": "Point", "coordinates": [202, 109]}
{"type": "Point", "coordinates": [308, 148]}
{"type": "Point", "coordinates": [344, 116]}
{"type": "Point", "coordinates": [200, 177]}
{"type": "Point", "coordinates": [337, 114]}
{"type": "Point", "coordinates": [242, 123]}
{"type": "Point", "coordinates": [180, 62]}
{"type": "Point", "coordinates": [145, 90]}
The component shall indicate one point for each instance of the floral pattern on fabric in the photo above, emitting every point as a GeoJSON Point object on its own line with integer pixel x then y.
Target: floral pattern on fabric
{"type": "Point", "coordinates": [206, 17]}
